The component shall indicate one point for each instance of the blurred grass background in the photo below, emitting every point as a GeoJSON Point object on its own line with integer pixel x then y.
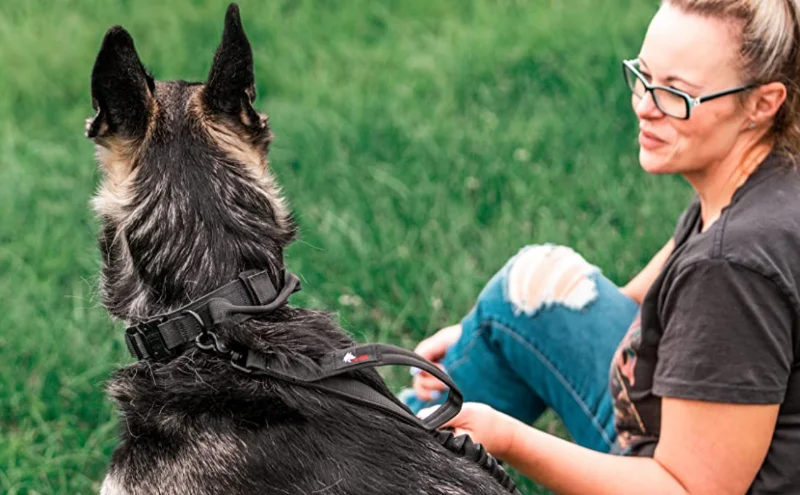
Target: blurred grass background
{"type": "Point", "coordinates": [421, 143]}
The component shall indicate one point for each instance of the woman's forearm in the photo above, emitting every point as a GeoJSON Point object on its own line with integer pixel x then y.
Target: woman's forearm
{"type": "Point", "coordinates": [565, 467]}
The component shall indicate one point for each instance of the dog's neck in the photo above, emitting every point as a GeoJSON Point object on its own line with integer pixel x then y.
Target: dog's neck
{"type": "Point", "coordinates": [175, 233]}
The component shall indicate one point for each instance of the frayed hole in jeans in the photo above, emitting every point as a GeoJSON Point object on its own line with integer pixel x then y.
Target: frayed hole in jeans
{"type": "Point", "coordinates": [542, 276]}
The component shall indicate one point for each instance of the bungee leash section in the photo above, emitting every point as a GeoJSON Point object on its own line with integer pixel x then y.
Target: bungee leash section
{"type": "Point", "coordinates": [253, 294]}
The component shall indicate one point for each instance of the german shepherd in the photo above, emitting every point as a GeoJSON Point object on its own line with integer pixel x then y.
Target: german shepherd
{"type": "Point", "coordinates": [187, 203]}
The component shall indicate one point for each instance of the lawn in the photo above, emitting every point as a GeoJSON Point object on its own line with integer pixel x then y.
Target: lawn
{"type": "Point", "coordinates": [420, 143]}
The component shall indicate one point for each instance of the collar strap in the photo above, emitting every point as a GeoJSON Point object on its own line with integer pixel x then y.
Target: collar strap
{"type": "Point", "coordinates": [250, 295]}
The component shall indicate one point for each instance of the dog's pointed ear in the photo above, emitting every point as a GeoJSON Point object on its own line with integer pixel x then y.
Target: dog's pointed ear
{"type": "Point", "coordinates": [122, 89]}
{"type": "Point", "coordinates": [230, 88]}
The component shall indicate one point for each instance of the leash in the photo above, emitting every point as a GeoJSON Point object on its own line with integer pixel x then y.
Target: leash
{"type": "Point", "coordinates": [253, 294]}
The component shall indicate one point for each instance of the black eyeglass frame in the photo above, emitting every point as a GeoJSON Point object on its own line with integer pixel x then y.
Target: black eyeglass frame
{"type": "Point", "coordinates": [690, 100]}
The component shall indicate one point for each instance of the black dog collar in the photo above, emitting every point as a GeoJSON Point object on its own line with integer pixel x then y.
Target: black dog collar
{"type": "Point", "coordinates": [250, 295]}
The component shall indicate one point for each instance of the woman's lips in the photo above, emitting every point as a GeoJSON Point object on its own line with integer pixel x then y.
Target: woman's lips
{"type": "Point", "coordinates": [649, 141]}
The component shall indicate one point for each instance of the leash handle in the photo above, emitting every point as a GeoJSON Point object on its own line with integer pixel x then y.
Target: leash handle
{"type": "Point", "coordinates": [374, 355]}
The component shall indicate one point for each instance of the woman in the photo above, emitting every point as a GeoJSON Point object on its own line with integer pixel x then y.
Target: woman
{"type": "Point", "coordinates": [706, 381]}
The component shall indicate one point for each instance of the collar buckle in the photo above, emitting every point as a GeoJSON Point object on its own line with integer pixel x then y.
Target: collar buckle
{"type": "Point", "coordinates": [144, 340]}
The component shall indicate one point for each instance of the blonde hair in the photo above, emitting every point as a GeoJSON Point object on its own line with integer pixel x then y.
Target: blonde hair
{"type": "Point", "coordinates": [769, 51]}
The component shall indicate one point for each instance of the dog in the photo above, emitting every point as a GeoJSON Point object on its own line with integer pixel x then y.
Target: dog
{"type": "Point", "coordinates": [188, 202]}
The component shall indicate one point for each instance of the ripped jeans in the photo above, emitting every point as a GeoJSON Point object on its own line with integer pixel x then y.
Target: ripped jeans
{"type": "Point", "coordinates": [543, 334]}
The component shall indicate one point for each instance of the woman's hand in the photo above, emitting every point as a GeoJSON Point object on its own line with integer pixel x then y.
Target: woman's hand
{"type": "Point", "coordinates": [492, 429]}
{"type": "Point", "coordinates": [426, 386]}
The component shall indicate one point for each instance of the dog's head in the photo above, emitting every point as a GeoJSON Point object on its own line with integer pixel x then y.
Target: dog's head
{"type": "Point", "coordinates": [187, 201]}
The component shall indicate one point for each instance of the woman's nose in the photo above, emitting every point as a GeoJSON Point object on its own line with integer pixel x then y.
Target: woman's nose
{"type": "Point", "coordinates": [646, 107]}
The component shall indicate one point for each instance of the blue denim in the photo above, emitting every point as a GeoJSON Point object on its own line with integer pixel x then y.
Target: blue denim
{"type": "Point", "coordinates": [522, 362]}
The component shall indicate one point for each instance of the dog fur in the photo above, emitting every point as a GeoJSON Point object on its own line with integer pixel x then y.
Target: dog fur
{"type": "Point", "coordinates": [187, 203]}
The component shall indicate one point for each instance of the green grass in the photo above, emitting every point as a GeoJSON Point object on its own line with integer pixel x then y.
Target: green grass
{"type": "Point", "coordinates": [421, 143]}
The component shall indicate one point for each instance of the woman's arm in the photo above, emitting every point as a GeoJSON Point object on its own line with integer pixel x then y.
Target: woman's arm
{"type": "Point", "coordinates": [704, 448]}
{"type": "Point", "coordinates": [640, 284]}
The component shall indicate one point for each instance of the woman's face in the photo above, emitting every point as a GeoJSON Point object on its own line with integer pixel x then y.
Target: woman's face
{"type": "Point", "coordinates": [696, 55]}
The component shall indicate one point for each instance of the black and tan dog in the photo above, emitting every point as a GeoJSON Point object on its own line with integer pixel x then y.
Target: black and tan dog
{"type": "Point", "coordinates": [187, 204]}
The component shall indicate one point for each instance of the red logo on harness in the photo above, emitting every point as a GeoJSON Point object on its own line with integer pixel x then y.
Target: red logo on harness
{"type": "Point", "coordinates": [350, 358]}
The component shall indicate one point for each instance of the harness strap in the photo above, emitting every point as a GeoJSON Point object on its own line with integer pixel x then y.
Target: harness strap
{"type": "Point", "coordinates": [342, 361]}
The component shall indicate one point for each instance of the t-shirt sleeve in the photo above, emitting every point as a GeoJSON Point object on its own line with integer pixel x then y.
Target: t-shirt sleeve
{"type": "Point", "coordinates": [727, 336]}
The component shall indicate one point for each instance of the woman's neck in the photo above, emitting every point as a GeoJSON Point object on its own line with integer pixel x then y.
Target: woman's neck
{"type": "Point", "coordinates": [716, 184]}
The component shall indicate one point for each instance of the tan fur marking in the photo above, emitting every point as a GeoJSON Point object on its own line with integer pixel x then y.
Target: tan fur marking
{"type": "Point", "coordinates": [232, 143]}
{"type": "Point", "coordinates": [117, 159]}
{"type": "Point", "coordinates": [239, 149]}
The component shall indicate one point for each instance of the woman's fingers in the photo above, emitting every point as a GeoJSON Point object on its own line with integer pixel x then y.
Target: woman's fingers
{"type": "Point", "coordinates": [487, 426]}
{"type": "Point", "coordinates": [429, 382]}
{"type": "Point", "coordinates": [428, 388]}
{"type": "Point", "coordinates": [434, 347]}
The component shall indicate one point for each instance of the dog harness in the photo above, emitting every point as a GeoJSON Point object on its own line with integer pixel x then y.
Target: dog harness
{"type": "Point", "coordinates": [253, 294]}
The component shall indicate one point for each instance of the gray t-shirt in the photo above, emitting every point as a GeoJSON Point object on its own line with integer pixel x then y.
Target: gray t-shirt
{"type": "Point", "coordinates": [721, 323]}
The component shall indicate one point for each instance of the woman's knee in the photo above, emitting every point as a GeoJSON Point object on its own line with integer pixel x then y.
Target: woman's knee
{"type": "Point", "coordinates": [541, 276]}
{"type": "Point", "coordinates": [537, 278]}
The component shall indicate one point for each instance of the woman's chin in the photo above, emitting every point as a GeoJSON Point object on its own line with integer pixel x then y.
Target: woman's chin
{"type": "Point", "coordinates": [653, 162]}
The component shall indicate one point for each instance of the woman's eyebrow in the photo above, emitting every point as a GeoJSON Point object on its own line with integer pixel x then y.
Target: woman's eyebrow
{"type": "Point", "coordinates": [671, 79]}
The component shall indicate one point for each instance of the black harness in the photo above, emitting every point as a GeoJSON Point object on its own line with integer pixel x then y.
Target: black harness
{"type": "Point", "coordinates": [253, 294]}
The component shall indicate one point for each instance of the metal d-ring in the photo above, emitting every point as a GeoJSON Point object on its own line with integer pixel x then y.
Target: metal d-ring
{"type": "Point", "coordinates": [206, 345]}
{"type": "Point", "coordinates": [207, 340]}
{"type": "Point", "coordinates": [201, 340]}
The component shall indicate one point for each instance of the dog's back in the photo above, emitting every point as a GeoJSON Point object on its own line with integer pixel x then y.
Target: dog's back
{"type": "Point", "coordinates": [187, 204]}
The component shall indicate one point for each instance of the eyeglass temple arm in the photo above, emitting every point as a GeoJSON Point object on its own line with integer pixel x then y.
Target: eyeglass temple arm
{"type": "Point", "coordinates": [727, 92]}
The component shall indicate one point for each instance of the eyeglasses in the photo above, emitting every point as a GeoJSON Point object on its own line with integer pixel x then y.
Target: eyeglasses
{"type": "Point", "coordinates": [670, 101]}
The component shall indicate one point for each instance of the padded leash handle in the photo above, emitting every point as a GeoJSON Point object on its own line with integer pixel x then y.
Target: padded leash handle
{"type": "Point", "coordinates": [374, 355]}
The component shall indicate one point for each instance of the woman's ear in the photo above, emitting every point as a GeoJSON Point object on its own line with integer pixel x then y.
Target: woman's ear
{"type": "Point", "coordinates": [765, 101]}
